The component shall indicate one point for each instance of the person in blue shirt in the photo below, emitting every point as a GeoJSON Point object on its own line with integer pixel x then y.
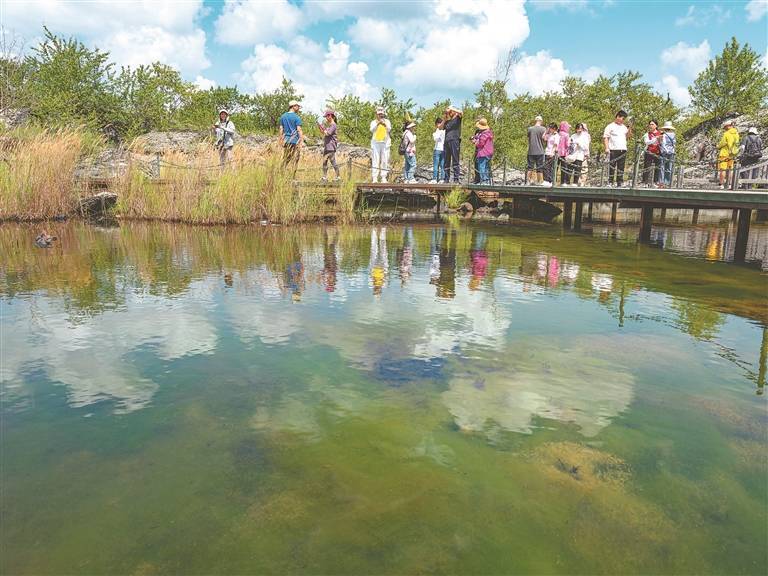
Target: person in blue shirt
{"type": "Point", "coordinates": [291, 135]}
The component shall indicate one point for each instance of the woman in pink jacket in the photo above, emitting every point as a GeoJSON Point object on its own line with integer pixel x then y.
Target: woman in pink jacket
{"type": "Point", "coordinates": [563, 147]}
{"type": "Point", "coordinates": [484, 143]}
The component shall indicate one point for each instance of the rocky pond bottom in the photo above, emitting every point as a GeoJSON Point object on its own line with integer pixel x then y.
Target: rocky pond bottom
{"type": "Point", "coordinates": [454, 398]}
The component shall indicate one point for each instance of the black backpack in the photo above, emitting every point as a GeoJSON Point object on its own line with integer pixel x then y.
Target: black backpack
{"type": "Point", "coordinates": [403, 148]}
{"type": "Point", "coordinates": [752, 147]}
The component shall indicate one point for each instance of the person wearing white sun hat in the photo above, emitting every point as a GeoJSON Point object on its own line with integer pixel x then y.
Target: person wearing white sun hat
{"type": "Point", "coordinates": [225, 138]}
{"type": "Point", "coordinates": [291, 134]}
{"type": "Point", "coordinates": [381, 141]}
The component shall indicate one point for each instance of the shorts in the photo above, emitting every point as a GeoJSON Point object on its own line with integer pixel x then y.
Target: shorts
{"type": "Point", "coordinates": [536, 162]}
{"type": "Point", "coordinates": [725, 163]}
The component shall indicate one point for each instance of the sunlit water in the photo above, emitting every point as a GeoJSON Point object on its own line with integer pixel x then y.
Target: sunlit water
{"type": "Point", "coordinates": [453, 398]}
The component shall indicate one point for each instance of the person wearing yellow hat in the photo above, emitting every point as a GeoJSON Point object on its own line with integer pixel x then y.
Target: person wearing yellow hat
{"type": "Point", "coordinates": [728, 148]}
{"type": "Point", "coordinates": [291, 134]}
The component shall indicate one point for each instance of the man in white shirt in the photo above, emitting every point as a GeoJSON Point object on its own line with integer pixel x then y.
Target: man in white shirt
{"type": "Point", "coordinates": [615, 141]}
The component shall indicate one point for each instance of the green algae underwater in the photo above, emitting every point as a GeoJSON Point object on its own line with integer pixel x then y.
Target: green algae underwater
{"type": "Point", "coordinates": [430, 398]}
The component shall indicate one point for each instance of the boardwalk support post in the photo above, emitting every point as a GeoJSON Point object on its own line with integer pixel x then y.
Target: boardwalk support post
{"type": "Point", "coordinates": [577, 215]}
{"type": "Point", "coordinates": [567, 213]}
{"type": "Point", "coordinates": [742, 235]}
{"type": "Point", "coordinates": [349, 168]}
{"type": "Point", "coordinates": [614, 205]}
{"type": "Point", "coordinates": [636, 166]}
{"type": "Point", "coordinates": [589, 212]}
{"type": "Point", "coordinates": [646, 218]}
{"type": "Point", "coordinates": [695, 217]}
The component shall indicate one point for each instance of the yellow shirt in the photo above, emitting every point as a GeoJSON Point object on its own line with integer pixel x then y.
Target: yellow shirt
{"type": "Point", "coordinates": [381, 133]}
{"type": "Point", "coordinates": [729, 144]}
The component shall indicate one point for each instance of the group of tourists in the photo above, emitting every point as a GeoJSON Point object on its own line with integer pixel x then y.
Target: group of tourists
{"type": "Point", "coordinates": [549, 147]}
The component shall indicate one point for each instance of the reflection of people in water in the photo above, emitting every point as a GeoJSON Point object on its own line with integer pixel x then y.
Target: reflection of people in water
{"type": "Point", "coordinates": [294, 276]}
{"type": "Point", "coordinates": [405, 255]}
{"type": "Point", "coordinates": [434, 251]}
{"type": "Point", "coordinates": [330, 265]}
{"type": "Point", "coordinates": [478, 257]}
{"type": "Point", "coordinates": [446, 282]}
{"type": "Point", "coordinates": [379, 260]}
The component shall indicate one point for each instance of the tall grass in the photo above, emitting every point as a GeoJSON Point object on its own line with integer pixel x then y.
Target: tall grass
{"type": "Point", "coordinates": [192, 188]}
{"type": "Point", "coordinates": [37, 172]}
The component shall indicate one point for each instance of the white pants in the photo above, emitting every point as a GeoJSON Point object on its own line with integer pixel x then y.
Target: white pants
{"type": "Point", "coordinates": [379, 161]}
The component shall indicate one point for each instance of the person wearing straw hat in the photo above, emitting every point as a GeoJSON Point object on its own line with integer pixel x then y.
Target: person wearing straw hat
{"type": "Point", "coordinates": [483, 141]}
{"type": "Point", "coordinates": [291, 134]}
{"type": "Point", "coordinates": [381, 141]}
{"type": "Point", "coordinates": [728, 148]}
{"type": "Point", "coordinates": [225, 138]}
{"type": "Point", "coordinates": [330, 144]}
{"type": "Point", "coordinates": [667, 144]}
{"type": "Point", "coordinates": [452, 145]}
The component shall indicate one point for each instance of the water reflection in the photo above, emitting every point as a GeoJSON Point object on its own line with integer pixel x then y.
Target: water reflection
{"type": "Point", "coordinates": [86, 313]}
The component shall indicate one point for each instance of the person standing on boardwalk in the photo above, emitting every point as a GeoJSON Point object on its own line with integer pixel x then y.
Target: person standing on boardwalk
{"type": "Point", "coordinates": [552, 138]}
{"type": "Point", "coordinates": [728, 148]}
{"type": "Point", "coordinates": [330, 144]}
{"type": "Point", "coordinates": [483, 141]}
{"type": "Point", "coordinates": [752, 152]}
{"type": "Point", "coordinates": [292, 135]}
{"type": "Point", "coordinates": [652, 155]}
{"type": "Point", "coordinates": [563, 151]}
{"type": "Point", "coordinates": [615, 141]}
{"type": "Point", "coordinates": [587, 145]}
{"type": "Point", "coordinates": [381, 142]}
{"type": "Point", "coordinates": [452, 143]}
{"type": "Point", "coordinates": [225, 138]}
{"type": "Point", "coordinates": [667, 144]}
{"type": "Point", "coordinates": [408, 148]}
{"type": "Point", "coordinates": [437, 155]}
{"type": "Point", "coordinates": [579, 152]}
{"type": "Point", "coordinates": [536, 151]}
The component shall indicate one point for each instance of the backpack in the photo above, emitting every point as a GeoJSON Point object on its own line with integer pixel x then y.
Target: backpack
{"type": "Point", "coordinates": [403, 148]}
{"type": "Point", "coordinates": [752, 147]}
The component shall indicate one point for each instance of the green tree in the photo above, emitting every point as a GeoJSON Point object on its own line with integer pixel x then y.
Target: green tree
{"type": "Point", "coordinates": [354, 116]}
{"type": "Point", "coordinates": [734, 82]}
{"type": "Point", "coordinates": [70, 83]}
{"type": "Point", "coordinates": [269, 106]}
{"type": "Point", "coordinates": [151, 96]}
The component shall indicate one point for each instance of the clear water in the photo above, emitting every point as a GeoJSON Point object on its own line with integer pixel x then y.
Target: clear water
{"type": "Point", "coordinates": [454, 398]}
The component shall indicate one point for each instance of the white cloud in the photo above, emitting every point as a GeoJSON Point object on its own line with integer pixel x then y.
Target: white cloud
{"type": "Point", "coordinates": [670, 84]}
{"type": "Point", "coordinates": [246, 23]}
{"type": "Point", "coordinates": [377, 36]}
{"type": "Point", "coordinates": [756, 9]}
{"type": "Point", "coordinates": [592, 73]}
{"type": "Point", "coordinates": [204, 83]}
{"type": "Point", "coordinates": [463, 43]}
{"type": "Point", "coordinates": [147, 44]}
{"type": "Point", "coordinates": [317, 73]}
{"type": "Point", "coordinates": [133, 32]}
{"type": "Point", "coordinates": [700, 17]}
{"type": "Point", "coordinates": [537, 73]}
{"type": "Point", "coordinates": [693, 59]}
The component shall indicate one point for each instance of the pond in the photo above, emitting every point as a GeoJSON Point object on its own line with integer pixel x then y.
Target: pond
{"type": "Point", "coordinates": [392, 399]}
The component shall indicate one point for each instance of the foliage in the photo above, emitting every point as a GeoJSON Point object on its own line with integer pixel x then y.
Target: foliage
{"type": "Point", "coordinates": [734, 82]}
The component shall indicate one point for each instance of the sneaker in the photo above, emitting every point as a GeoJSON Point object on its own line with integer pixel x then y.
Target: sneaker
{"type": "Point", "coordinates": [547, 184]}
{"type": "Point", "coordinates": [722, 186]}
{"type": "Point", "coordinates": [323, 179]}
{"type": "Point", "coordinates": [337, 179]}
{"type": "Point", "coordinates": [433, 181]}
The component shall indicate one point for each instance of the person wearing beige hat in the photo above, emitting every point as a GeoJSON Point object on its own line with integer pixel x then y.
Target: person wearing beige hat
{"type": "Point", "coordinates": [291, 134]}
{"type": "Point", "coordinates": [483, 141]}
{"type": "Point", "coordinates": [381, 141]}
{"type": "Point", "coordinates": [727, 149]}
{"type": "Point", "coordinates": [452, 147]}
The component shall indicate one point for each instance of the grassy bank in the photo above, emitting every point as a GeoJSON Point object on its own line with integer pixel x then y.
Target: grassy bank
{"type": "Point", "coordinates": [38, 182]}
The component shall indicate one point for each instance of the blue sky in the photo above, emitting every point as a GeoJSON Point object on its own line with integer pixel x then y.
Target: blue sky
{"type": "Point", "coordinates": [427, 50]}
